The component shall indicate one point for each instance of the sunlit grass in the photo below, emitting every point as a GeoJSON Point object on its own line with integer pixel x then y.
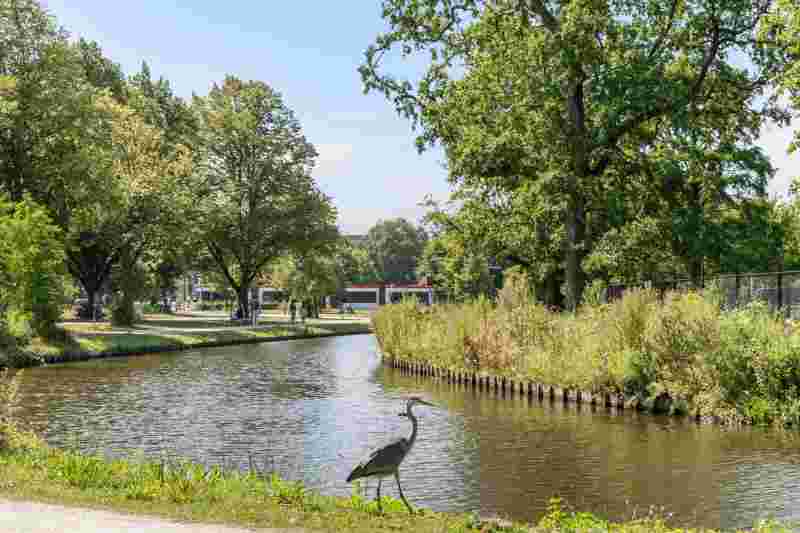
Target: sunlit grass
{"type": "Point", "coordinates": [255, 498]}
{"type": "Point", "coordinates": [80, 339]}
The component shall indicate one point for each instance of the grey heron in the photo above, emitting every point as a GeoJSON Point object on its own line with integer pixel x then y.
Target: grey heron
{"type": "Point", "coordinates": [385, 461]}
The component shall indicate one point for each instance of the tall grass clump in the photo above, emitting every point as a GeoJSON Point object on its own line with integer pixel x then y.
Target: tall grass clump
{"type": "Point", "coordinates": [757, 366]}
{"type": "Point", "coordinates": [12, 438]}
{"type": "Point", "coordinates": [677, 352]}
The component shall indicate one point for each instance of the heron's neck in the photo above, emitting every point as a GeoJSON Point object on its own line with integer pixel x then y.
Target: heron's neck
{"type": "Point", "coordinates": [413, 436]}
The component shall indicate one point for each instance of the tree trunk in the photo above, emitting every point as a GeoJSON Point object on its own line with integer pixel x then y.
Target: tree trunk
{"type": "Point", "coordinates": [576, 205]}
{"type": "Point", "coordinates": [695, 267]}
{"type": "Point", "coordinates": [576, 233]}
{"type": "Point", "coordinates": [548, 293]}
{"type": "Point", "coordinates": [243, 296]}
{"type": "Point", "coordinates": [91, 293]}
{"type": "Point", "coordinates": [124, 312]}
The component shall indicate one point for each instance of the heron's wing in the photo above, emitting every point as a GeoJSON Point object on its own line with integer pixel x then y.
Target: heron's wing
{"type": "Point", "coordinates": [382, 461]}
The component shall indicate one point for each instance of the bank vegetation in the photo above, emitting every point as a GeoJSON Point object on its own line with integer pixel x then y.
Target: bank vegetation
{"type": "Point", "coordinates": [678, 352]}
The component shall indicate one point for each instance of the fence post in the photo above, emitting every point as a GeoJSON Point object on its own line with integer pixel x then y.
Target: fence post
{"type": "Point", "coordinates": [780, 291]}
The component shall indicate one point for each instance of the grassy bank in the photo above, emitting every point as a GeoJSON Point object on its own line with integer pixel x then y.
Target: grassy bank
{"type": "Point", "coordinates": [79, 340]}
{"type": "Point", "coordinates": [683, 354]}
{"type": "Point", "coordinates": [30, 470]}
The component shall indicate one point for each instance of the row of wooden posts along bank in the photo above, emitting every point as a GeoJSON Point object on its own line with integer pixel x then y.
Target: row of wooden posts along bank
{"type": "Point", "coordinates": [520, 387]}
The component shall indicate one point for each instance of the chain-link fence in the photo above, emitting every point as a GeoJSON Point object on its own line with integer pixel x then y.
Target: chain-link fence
{"type": "Point", "coordinates": [779, 290]}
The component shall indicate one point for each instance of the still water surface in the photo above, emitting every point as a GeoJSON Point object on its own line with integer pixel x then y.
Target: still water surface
{"type": "Point", "coordinates": [314, 408]}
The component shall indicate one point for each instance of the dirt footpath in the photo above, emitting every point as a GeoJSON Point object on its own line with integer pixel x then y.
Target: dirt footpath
{"type": "Point", "coordinates": [27, 517]}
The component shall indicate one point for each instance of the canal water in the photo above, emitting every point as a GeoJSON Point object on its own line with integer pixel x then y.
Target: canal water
{"type": "Point", "coordinates": [312, 409]}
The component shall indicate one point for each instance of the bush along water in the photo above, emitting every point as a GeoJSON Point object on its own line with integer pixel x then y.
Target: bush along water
{"type": "Point", "coordinates": [680, 354]}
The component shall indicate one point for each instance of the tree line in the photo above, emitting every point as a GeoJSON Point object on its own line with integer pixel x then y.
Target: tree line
{"type": "Point", "coordinates": [113, 181]}
{"type": "Point", "coordinates": [609, 140]}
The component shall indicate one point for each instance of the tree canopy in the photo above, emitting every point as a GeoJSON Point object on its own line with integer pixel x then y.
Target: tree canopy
{"type": "Point", "coordinates": [257, 199]}
{"type": "Point", "coordinates": [567, 102]}
{"type": "Point", "coordinates": [395, 246]}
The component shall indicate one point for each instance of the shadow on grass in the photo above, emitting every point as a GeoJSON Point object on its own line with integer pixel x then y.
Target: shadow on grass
{"type": "Point", "coordinates": [179, 323]}
{"type": "Point", "coordinates": [346, 327]}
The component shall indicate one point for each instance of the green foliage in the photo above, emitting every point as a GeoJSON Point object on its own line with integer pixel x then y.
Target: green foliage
{"type": "Point", "coordinates": [303, 278]}
{"type": "Point", "coordinates": [595, 293]}
{"type": "Point", "coordinates": [129, 284]}
{"type": "Point", "coordinates": [257, 208]}
{"type": "Point", "coordinates": [684, 353]}
{"type": "Point", "coordinates": [559, 520]}
{"type": "Point", "coordinates": [460, 268]}
{"type": "Point", "coordinates": [758, 366]}
{"type": "Point", "coordinates": [353, 264]}
{"type": "Point", "coordinates": [32, 273]}
{"type": "Point", "coordinates": [553, 112]}
{"type": "Point", "coordinates": [395, 247]}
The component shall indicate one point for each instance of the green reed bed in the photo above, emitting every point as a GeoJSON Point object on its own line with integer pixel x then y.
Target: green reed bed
{"type": "Point", "coordinates": [683, 353]}
{"type": "Point", "coordinates": [183, 490]}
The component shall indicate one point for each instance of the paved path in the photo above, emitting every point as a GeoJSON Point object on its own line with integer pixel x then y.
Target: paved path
{"type": "Point", "coordinates": [27, 517]}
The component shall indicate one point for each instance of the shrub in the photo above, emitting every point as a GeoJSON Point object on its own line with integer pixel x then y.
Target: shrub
{"type": "Point", "coordinates": [32, 272]}
{"type": "Point", "coordinates": [758, 365]}
{"type": "Point", "coordinates": [151, 308]}
{"type": "Point", "coordinates": [680, 335]}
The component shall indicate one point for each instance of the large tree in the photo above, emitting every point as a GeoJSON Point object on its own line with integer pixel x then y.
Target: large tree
{"type": "Point", "coordinates": [141, 191]}
{"type": "Point", "coordinates": [73, 145]}
{"type": "Point", "coordinates": [560, 92]}
{"type": "Point", "coordinates": [42, 148]}
{"type": "Point", "coordinates": [257, 197]}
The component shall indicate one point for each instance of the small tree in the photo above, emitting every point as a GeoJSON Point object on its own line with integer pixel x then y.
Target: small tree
{"type": "Point", "coordinates": [307, 278]}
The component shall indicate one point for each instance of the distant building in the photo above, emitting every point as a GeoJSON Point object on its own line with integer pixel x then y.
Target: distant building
{"type": "Point", "coordinates": [373, 295]}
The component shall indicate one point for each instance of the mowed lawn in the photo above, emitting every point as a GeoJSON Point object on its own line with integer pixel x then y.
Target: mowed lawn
{"type": "Point", "coordinates": [181, 331]}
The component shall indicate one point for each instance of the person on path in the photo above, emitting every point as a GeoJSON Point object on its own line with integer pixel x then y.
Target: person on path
{"type": "Point", "coordinates": [292, 309]}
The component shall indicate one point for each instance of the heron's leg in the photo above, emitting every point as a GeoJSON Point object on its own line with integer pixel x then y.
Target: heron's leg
{"type": "Point", "coordinates": [400, 489]}
{"type": "Point", "coordinates": [378, 499]}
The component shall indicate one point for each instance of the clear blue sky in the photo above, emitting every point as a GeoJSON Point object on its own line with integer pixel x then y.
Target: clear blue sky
{"type": "Point", "coordinates": [308, 50]}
